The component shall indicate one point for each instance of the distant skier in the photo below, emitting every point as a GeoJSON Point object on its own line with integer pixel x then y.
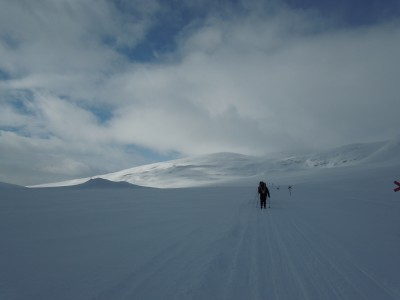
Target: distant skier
{"type": "Point", "coordinates": [264, 194]}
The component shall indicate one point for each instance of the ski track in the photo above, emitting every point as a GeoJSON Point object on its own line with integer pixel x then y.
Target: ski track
{"type": "Point", "coordinates": [277, 254]}
{"type": "Point", "coordinates": [265, 254]}
{"type": "Point", "coordinates": [219, 276]}
{"type": "Point", "coordinates": [350, 280]}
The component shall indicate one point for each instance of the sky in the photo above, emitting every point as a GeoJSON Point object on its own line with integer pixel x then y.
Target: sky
{"type": "Point", "coordinates": [89, 87]}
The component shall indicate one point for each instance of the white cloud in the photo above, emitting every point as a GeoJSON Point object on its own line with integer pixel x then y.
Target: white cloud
{"type": "Point", "coordinates": [314, 90]}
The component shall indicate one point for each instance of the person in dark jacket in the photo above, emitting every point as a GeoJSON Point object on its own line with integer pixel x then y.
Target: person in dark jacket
{"type": "Point", "coordinates": [264, 194]}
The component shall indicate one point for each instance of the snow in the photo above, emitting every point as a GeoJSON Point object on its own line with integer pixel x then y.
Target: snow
{"type": "Point", "coordinates": [336, 237]}
{"type": "Point", "coordinates": [98, 183]}
{"type": "Point", "coordinates": [221, 168]}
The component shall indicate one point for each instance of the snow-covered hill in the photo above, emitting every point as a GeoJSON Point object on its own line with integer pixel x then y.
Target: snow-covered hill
{"type": "Point", "coordinates": [100, 183]}
{"type": "Point", "coordinates": [348, 155]}
{"type": "Point", "coordinates": [222, 168]}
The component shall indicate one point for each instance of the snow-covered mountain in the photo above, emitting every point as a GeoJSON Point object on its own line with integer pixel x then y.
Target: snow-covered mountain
{"type": "Point", "coordinates": [345, 156]}
{"type": "Point", "coordinates": [222, 168]}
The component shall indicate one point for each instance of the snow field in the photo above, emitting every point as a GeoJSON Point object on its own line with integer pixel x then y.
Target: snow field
{"type": "Point", "coordinates": [336, 237]}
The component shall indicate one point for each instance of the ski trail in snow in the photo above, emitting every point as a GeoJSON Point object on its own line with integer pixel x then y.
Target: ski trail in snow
{"type": "Point", "coordinates": [313, 264]}
{"type": "Point", "coordinates": [277, 254]}
{"type": "Point", "coordinates": [346, 279]}
{"type": "Point", "coordinates": [240, 267]}
{"type": "Point", "coordinates": [240, 277]}
{"type": "Point", "coordinates": [225, 260]}
{"type": "Point", "coordinates": [284, 263]}
{"type": "Point", "coordinates": [297, 262]}
{"type": "Point", "coordinates": [269, 255]}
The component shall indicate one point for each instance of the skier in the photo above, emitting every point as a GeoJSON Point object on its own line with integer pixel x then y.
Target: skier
{"type": "Point", "coordinates": [264, 194]}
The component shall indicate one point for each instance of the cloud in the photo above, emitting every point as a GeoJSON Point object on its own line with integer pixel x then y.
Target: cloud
{"type": "Point", "coordinates": [74, 97]}
{"type": "Point", "coordinates": [69, 47]}
{"type": "Point", "coordinates": [288, 89]}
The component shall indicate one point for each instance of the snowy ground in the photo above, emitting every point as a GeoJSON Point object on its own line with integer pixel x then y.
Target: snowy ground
{"type": "Point", "coordinates": [336, 237]}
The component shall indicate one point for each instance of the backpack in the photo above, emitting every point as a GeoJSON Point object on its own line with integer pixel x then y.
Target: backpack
{"type": "Point", "coordinates": [263, 187]}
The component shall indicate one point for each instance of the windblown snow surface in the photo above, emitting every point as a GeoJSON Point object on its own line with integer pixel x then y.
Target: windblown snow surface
{"type": "Point", "coordinates": [337, 236]}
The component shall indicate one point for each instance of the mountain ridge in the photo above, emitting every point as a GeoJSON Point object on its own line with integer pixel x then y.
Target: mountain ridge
{"type": "Point", "coordinates": [224, 167]}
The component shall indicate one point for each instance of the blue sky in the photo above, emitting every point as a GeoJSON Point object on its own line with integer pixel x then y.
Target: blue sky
{"type": "Point", "coordinates": [176, 15]}
{"type": "Point", "coordinates": [94, 86]}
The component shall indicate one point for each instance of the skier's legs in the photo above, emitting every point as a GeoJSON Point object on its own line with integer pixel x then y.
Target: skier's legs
{"type": "Point", "coordinates": [263, 202]}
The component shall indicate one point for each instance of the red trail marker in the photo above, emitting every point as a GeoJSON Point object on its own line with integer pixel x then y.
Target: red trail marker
{"type": "Point", "coordinates": [398, 184]}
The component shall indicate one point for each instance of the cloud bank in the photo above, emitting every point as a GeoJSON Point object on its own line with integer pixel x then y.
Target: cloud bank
{"type": "Point", "coordinates": [97, 86]}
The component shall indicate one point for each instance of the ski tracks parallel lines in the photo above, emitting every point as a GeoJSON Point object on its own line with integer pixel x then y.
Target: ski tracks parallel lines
{"type": "Point", "coordinates": [327, 272]}
{"type": "Point", "coordinates": [296, 287]}
{"type": "Point", "coordinates": [332, 254]}
{"type": "Point", "coordinates": [270, 263]}
{"type": "Point", "coordinates": [238, 262]}
{"type": "Point", "coordinates": [270, 260]}
{"type": "Point", "coordinates": [228, 274]}
{"type": "Point", "coordinates": [320, 278]}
